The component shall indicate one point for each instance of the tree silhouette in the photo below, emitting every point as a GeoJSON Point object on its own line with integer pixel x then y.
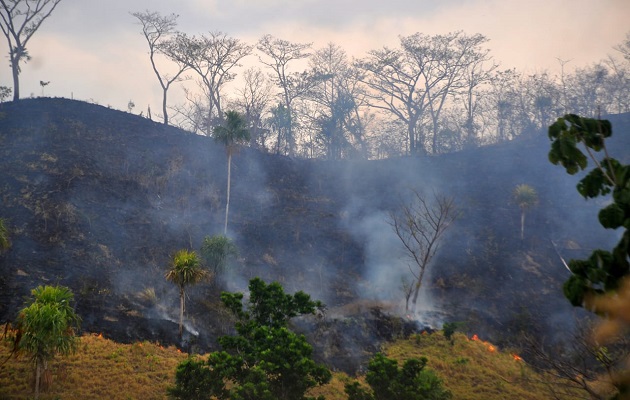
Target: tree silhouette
{"type": "Point", "coordinates": [420, 226]}
{"type": "Point", "coordinates": [185, 271]}
{"type": "Point", "coordinates": [4, 236]}
{"type": "Point", "coordinates": [233, 133]}
{"type": "Point", "coordinates": [19, 20]}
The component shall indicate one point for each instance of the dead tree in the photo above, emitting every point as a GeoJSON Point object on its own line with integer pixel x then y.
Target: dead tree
{"type": "Point", "coordinates": [420, 226]}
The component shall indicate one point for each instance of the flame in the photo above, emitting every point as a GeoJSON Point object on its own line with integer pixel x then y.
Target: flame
{"type": "Point", "coordinates": [516, 357]}
{"type": "Point", "coordinates": [491, 348]}
{"type": "Point", "coordinates": [100, 335]}
{"type": "Point", "coordinates": [179, 351]}
{"type": "Point", "coordinates": [475, 338]}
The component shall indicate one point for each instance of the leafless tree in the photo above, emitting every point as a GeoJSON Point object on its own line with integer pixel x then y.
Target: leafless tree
{"type": "Point", "coordinates": [415, 82]}
{"type": "Point", "coordinates": [254, 98]}
{"type": "Point", "coordinates": [19, 20]}
{"type": "Point", "coordinates": [279, 53]}
{"type": "Point", "coordinates": [213, 57]}
{"type": "Point", "coordinates": [582, 364]}
{"type": "Point", "coordinates": [157, 30]}
{"type": "Point", "coordinates": [420, 226]}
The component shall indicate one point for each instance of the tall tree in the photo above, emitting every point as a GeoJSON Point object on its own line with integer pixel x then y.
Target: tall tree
{"type": "Point", "coordinates": [46, 327]}
{"type": "Point", "coordinates": [19, 20]}
{"type": "Point", "coordinates": [213, 57]}
{"type": "Point", "coordinates": [525, 197]}
{"type": "Point", "coordinates": [157, 30]}
{"type": "Point", "coordinates": [254, 99]}
{"type": "Point", "coordinates": [338, 96]}
{"type": "Point", "coordinates": [231, 135]}
{"type": "Point", "coordinates": [420, 226]}
{"type": "Point", "coordinates": [185, 271]}
{"type": "Point", "coordinates": [279, 53]}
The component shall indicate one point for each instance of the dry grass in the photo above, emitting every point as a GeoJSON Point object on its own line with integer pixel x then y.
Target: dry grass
{"type": "Point", "coordinates": [103, 369]}
{"type": "Point", "coordinates": [474, 369]}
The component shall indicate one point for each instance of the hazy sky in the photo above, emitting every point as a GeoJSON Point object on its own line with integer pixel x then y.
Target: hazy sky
{"type": "Point", "coordinates": [93, 49]}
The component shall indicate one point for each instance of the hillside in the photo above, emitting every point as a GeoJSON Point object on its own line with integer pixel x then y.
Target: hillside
{"type": "Point", "coordinates": [98, 200]}
{"type": "Point", "coordinates": [143, 370]}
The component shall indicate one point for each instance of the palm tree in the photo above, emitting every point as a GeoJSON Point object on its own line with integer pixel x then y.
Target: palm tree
{"type": "Point", "coordinates": [233, 133]}
{"type": "Point", "coordinates": [46, 327]}
{"type": "Point", "coordinates": [525, 197]}
{"type": "Point", "coordinates": [185, 271]}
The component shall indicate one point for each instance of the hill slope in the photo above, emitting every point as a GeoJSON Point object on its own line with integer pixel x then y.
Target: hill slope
{"type": "Point", "coordinates": [99, 200]}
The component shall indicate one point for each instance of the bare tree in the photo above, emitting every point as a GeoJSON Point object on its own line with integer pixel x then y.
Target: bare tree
{"type": "Point", "coordinates": [293, 85]}
{"type": "Point", "coordinates": [254, 99]}
{"type": "Point", "coordinates": [19, 20]}
{"type": "Point", "coordinates": [212, 57]}
{"type": "Point", "coordinates": [414, 82]}
{"type": "Point", "coordinates": [420, 226]}
{"type": "Point", "coordinates": [157, 30]}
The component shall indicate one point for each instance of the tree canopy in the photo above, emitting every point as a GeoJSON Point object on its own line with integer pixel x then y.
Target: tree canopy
{"type": "Point", "coordinates": [264, 360]}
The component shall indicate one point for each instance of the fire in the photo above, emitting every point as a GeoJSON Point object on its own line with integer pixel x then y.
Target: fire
{"type": "Point", "coordinates": [491, 348]}
{"type": "Point", "coordinates": [516, 357]}
{"type": "Point", "coordinates": [475, 338]}
{"type": "Point", "coordinates": [100, 335]}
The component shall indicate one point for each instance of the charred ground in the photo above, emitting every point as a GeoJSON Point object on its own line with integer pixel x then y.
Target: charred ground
{"type": "Point", "coordinates": [99, 200]}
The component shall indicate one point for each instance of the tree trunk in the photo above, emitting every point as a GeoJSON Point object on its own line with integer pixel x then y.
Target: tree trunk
{"type": "Point", "coordinates": [164, 106]}
{"type": "Point", "coordinates": [38, 375]}
{"type": "Point", "coordinates": [16, 79]}
{"type": "Point", "coordinates": [416, 291]}
{"type": "Point", "coordinates": [522, 224]}
{"type": "Point", "coordinates": [181, 311]}
{"type": "Point", "coordinates": [227, 202]}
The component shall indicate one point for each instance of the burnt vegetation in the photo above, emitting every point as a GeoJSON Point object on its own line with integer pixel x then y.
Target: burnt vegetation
{"type": "Point", "coordinates": [99, 201]}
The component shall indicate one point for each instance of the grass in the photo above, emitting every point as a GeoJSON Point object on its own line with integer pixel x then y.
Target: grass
{"type": "Point", "coordinates": [103, 369]}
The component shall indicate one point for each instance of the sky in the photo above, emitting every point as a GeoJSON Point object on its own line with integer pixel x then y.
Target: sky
{"type": "Point", "coordinates": [94, 50]}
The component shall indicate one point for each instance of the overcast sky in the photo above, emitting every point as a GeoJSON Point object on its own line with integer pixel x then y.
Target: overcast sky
{"type": "Point", "coordinates": [94, 49]}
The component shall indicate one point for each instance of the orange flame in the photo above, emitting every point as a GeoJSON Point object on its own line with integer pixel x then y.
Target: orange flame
{"type": "Point", "coordinates": [517, 357]}
{"type": "Point", "coordinates": [100, 336]}
{"type": "Point", "coordinates": [475, 338]}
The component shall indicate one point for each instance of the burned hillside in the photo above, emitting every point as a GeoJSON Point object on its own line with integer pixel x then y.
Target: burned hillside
{"type": "Point", "coordinates": [99, 200]}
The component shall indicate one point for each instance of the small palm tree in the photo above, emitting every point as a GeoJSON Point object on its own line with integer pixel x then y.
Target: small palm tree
{"type": "Point", "coordinates": [46, 327]}
{"type": "Point", "coordinates": [233, 133]}
{"type": "Point", "coordinates": [185, 271]}
{"type": "Point", "coordinates": [525, 197]}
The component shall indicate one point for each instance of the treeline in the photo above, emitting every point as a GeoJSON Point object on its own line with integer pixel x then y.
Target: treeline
{"type": "Point", "coordinates": [430, 94]}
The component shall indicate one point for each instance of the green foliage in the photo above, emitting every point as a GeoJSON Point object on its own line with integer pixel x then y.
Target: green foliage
{"type": "Point", "coordinates": [264, 360]}
{"type": "Point", "coordinates": [233, 132]}
{"type": "Point", "coordinates": [388, 382]}
{"type": "Point", "coordinates": [4, 236]}
{"type": "Point", "coordinates": [449, 329]}
{"type": "Point", "coordinates": [525, 196]}
{"type": "Point", "coordinates": [216, 251]}
{"type": "Point", "coordinates": [47, 326]}
{"type": "Point", "coordinates": [185, 271]}
{"type": "Point", "coordinates": [603, 270]}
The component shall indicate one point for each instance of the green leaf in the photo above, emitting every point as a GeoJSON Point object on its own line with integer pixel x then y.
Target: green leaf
{"type": "Point", "coordinates": [612, 216]}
